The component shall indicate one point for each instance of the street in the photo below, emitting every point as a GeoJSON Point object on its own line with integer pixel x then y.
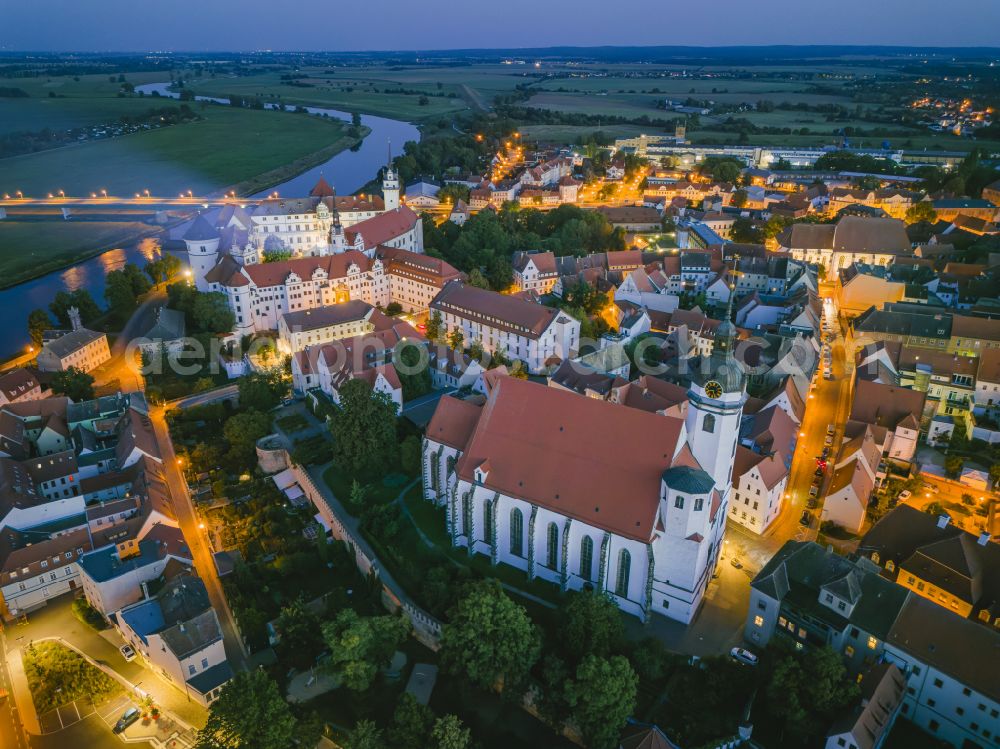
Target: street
{"type": "Point", "coordinates": [197, 540]}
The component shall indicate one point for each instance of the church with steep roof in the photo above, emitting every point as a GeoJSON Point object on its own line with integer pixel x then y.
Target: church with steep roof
{"type": "Point", "coordinates": [587, 493]}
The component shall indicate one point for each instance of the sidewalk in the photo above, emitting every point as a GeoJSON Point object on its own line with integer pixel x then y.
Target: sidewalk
{"type": "Point", "coordinates": [21, 693]}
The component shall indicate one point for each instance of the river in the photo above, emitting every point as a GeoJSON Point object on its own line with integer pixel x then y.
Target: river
{"type": "Point", "coordinates": [347, 171]}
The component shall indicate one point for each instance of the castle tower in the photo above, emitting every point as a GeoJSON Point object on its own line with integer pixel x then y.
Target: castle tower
{"type": "Point", "coordinates": [390, 185]}
{"type": "Point", "coordinates": [338, 242]}
{"type": "Point", "coordinates": [717, 395]}
{"type": "Point", "coordinates": [202, 241]}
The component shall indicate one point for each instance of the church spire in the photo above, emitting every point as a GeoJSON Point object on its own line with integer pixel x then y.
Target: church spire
{"type": "Point", "coordinates": [336, 210]}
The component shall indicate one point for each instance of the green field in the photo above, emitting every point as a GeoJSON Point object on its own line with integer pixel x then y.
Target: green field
{"type": "Point", "coordinates": [346, 92]}
{"type": "Point", "coordinates": [33, 248]}
{"type": "Point", "coordinates": [228, 147]}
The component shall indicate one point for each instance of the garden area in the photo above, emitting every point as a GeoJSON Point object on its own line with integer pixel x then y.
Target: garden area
{"type": "Point", "coordinates": [57, 675]}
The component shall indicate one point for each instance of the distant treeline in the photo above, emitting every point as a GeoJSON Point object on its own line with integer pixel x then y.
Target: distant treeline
{"type": "Point", "coordinates": [8, 92]}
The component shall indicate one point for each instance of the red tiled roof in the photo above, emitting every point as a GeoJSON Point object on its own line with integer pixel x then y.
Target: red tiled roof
{"type": "Point", "coordinates": [453, 422]}
{"type": "Point", "coordinates": [584, 458]}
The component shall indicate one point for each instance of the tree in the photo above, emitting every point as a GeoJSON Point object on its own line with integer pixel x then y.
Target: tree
{"type": "Point", "coordinates": [922, 211]}
{"type": "Point", "coordinates": [412, 370]}
{"type": "Point", "coordinates": [953, 465]}
{"type": "Point", "coordinates": [299, 627]}
{"type": "Point", "coordinates": [477, 279]}
{"type": "Point", "coordinates": [409, 455]}
{"type": "Point", "coordinates": [81, 299]}
{"type": "Point", "coordinates": [455, 339]}
{"type": "Point", "coordinates": [937, 509]}
{"type": "Point", "coordinates": [739, 198]}
{"type": "Point", "coordinates": [250, 713]}
{"type": "Point", "coordinates": [74, 383]}
{"type": "Point", "coordinates": [364, 428]}
{"type": "Point", "coordinates": [163, 268]}
{"type": "Point", "coordinates": [261, 391]}
{"type": "Point", "coordinates": [602, 697]}
{"type": "Point", "coordinates": [807, 689]}
{"type": "Point", "coordinates": [489, 639]}
{"type": "Point", "coordinates": [434, 325]}
{"type": "Point", "coordinates": [359, 646]}
{"type": "Point", "coordinates": [211, 313]}
{"type": "Point", "coordinates": [123, 288]}
{"type": "Point", "coordinates": [449, 733]}
{"type": "Point", "coordinates": [242, 432]}
{"type": "Point", "coordinates": [411, 724]}
{"type": "Point", "coordinates": [38, 322]}
{"type": "Point", "coordinates": [366, 735]}
{"type": "Point", "coordinates": [591, 625]}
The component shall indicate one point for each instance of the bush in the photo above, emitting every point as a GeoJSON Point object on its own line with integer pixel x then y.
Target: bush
{"type": "Point", "coordinates": [87, 614]}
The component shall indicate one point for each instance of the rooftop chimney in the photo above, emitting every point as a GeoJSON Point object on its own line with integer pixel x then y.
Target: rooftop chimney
{"type": "Point", "coordinates": [943, 520]}
{"type": "Point", "coordinates": [984, 538]}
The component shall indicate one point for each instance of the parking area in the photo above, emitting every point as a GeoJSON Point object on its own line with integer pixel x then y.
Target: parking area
{"type": "Point", "coordinates": [71, 713]}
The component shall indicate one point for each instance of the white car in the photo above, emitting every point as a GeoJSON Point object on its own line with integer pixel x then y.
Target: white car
{"type": "Point", "coordinates": [743, 656]}
{"type": "Point", "coordinates": [904, 495]}
{"type": "Point", "coordinates": [128, 653]}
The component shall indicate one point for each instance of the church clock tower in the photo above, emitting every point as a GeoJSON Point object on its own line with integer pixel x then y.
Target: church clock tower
{"type": "Point", "coordinates": [716, 398]}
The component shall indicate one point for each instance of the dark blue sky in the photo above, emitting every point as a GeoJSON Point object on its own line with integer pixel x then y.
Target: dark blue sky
{"type": "Point", "coordinates": [442, 24]}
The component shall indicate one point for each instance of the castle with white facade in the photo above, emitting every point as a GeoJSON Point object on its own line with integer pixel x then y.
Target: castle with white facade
{"type": "Point", "coordinates": [329, 249]}
{"type": "Point", "coordinates": [589, 494]}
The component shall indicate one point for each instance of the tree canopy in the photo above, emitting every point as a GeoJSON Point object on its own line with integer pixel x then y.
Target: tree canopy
{"type": "Point", "coordinates": [359, 646]}
{"type": "Point", "coordinates": [602, 697]}
{"type": "Point", "coordinates": [489, 639]}
{"type": "Point", "coordinates": [364, 428]}
{"type": "Point", "coordinates": [74, 383]}
{"type": "Point", "coordinates": [250, 713]}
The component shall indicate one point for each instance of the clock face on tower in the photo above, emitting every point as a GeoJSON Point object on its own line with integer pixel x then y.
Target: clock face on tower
{"type": "Point", "coordinates": [713, 389]}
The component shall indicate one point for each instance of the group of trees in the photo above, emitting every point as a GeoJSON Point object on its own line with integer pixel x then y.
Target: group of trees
{"type": "Point", "coordinates": [485, 243]}
{"type": "Point", "coordinates": [204, 312]}
{"type": "Point", "coordinates": [364, 429]}
{"type": "Point", "coordinates": [490, 642]}
{"type": "Point", "coordinates": [123, 288]}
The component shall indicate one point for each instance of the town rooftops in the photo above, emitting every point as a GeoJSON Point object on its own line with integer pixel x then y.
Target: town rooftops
{"type": "Point", "coordinates": [882, 691]}
{"type": "Point", "coordinates": [104, 564]}
{"type": "Point", "coordinates": [887, 405]}
{"type": "Point", "coordinates": [212, 677]}
{"type": "Point", "coordinates": [870, 235]}
{"type": "Point", "coordinates": [495, 310]}
{"type": "Point", "coordinates": [577, 456]}
{"type": "Point", "coordinates": [384, 227]}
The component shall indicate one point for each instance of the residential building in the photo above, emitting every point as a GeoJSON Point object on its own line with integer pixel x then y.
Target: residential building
{"type": "Point", "coordinates": [815, 598]}
{"type": "Point", "coordinates": [535, 271]}
{"type": "Point", "coordinates": [81, 348]}
{"type": "Point", "coordinates": [516, 328]}
{"type": "Point", "coordinates": [935, 559]}
{"type": "Point", "coordinates": [867, 725]}
{"type": "Point", "coordinates": [758, 489]}
{"type": "Point", "coordinates": [311, 327]}
{"type": "Point", "coordinates": [17, 385]}
{"type": "Point", "coordinates": [853, 239]}
{"type": "Point", "coordinates": [177, 634]}
{"type": "Point", "coordinates": [950, 666]}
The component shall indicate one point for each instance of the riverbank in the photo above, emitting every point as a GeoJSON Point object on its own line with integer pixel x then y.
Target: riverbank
{"type": "Point", "coordinates": [31, 249]}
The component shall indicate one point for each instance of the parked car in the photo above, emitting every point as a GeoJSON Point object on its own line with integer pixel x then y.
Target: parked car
{"type": "Point", "coordinates": [831, 428]}
{"type": "Point", "coordinates": [818, 471]}
{"type": "Point", "coordinates": [904, 495]}
{"type": "Point", "coordinates": [129, 717]}
{"type": "Point", "coordinates": [736, 563]}
{"type": "Point", "coordinates": [128, 653]}
{"type": "Point", "coordinates": [806, 519]}
{"type": "Point", "coordinates": [743, 656]}
{"type": "Point", "coordinates": [813, 491]}
{"type": "Point", "coordinates": [828, 441]}
{"type": "Point", "coordinates": [812, 504]}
